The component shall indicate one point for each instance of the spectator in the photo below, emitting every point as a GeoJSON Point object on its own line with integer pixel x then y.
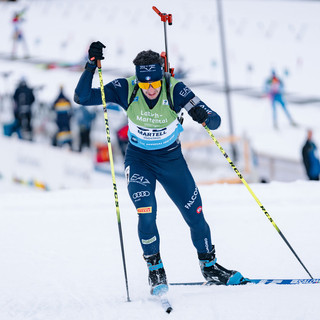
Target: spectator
{"type": "Point", "coordinates": [274, 88]}
{"type": "Point", "coordinates": [84, 119]}
{"type": "Point", "coordinates": [23, 99]}
{"type": "Point", "coordinates": [310, 157]}
{"type": "Point", "coordinates": [18, 35]}
{"type": "Point", "coordinates": [63, 109]}
{"type": "Point", "coordinates": [123, 140]}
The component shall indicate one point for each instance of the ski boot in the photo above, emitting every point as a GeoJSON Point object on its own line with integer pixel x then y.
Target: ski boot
{"type": "Point", "coordinates": [215, 273]}
{"type": "Point", "coordinates": [157, 276]}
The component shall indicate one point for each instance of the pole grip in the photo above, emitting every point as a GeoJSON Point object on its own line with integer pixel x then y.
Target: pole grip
{"type": "Point", "coordinates": [99, 64]}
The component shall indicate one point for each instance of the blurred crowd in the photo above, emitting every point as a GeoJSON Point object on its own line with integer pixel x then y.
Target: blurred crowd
{"type": "Point", "coordinates": [61, 123]}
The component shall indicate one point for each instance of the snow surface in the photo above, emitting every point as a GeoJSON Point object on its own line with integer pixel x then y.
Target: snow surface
{"type": "Point", "coordinates": [61, 259]}
{"type": "Point", "coordinates": [59, 250]}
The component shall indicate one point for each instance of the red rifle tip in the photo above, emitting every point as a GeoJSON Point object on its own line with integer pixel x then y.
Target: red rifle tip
{"type": "Point", "coordinates": [156, 10]}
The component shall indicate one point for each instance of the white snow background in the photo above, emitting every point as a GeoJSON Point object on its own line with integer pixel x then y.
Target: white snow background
{"type": "Point", "coordinates": [60, 255]}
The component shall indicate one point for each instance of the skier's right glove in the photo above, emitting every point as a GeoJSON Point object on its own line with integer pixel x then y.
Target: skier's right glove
{"type": "Point", "coordinates": [198, 114]}
{"type": "Point", "coordinates": [96, 52]}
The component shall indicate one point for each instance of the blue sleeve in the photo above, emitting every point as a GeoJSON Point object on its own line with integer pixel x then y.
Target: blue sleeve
{"type": "Point", "coordinates": [115, 91]}
{"type": "Point", "coordinates": [181, 97]}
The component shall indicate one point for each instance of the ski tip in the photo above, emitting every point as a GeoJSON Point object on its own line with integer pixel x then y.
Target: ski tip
{"type": "Point", "coordinates": [166, 305]}
{"type": "Point", "coordinates": [169, 309]}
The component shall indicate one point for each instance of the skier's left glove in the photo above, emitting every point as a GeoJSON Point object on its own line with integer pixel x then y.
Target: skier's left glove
{"type": "Point", "coordinates": [198, 114]}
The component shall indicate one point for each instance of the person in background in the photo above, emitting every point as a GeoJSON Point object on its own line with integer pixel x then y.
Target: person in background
{"type": "Point", "coordinates": [122, 137]}
{"type": "Point", "coordinates": [18, 35]}
{"type": "Point", "coordinates": [23, 98]}
{"type": "Point", "coordinates": [63, 110]}
{"type": "Point", "coordinates": [310, 157]}
{"type": "Point", "coordinates": [84, 120]}
{"type": "Point", "coordinates": [152, 101]}
{"type": "Point", "coordinates": [274, 88]}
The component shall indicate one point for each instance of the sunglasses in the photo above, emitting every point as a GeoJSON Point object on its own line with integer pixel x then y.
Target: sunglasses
{"type": "Point", "coordinates": [146, 85]}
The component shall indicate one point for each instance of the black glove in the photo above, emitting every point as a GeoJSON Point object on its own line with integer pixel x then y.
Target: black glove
{"type": "Point", "coordinates": [198, 114]}
{"type": "Point", "coordinates": [95, 51]}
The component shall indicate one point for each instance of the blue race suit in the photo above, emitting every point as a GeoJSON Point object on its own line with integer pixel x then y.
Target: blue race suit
{"type": "Point", "coordinates": [274, 88]}
{"type": "Point", "coordinates": [166, 165]}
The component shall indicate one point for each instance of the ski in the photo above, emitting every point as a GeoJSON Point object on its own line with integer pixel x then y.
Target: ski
{"type": "Point", "coordinates": [253, 281]}
{"type": "Point", "coordinates": [165, 303]}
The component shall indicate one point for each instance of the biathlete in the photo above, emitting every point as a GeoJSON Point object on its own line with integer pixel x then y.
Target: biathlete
{"type": "Point", "coordinates": [152, 101]}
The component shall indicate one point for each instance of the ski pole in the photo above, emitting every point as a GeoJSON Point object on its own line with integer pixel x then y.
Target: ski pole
{"type": "Point", "coordinates": [113, 175]}
{"type": "Point", "coordinates": [253, 195]}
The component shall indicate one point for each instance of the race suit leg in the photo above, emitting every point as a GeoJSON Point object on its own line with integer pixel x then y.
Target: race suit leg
{"type": "Point", "coordinates": [175, 177]}
{"type": "Point", "coordinates": [141, 187]}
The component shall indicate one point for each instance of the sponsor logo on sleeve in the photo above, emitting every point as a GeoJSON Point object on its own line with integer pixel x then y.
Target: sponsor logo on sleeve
{"type": "Point", "coordinates": [116, 83]}
{"type": "Point", "coordinates": [184, 92]}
